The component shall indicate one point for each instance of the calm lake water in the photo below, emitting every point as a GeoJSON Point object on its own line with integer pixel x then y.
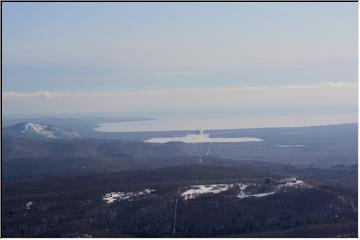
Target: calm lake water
{"type": "Point", "coordinates": [190, 123]}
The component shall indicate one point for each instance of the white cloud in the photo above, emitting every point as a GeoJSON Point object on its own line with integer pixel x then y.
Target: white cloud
{"type": "Point", "coordinates": [326, 94]}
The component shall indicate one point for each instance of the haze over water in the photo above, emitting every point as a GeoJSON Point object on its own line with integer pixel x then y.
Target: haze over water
{"type": "Point", "coordinates": [182, 58]}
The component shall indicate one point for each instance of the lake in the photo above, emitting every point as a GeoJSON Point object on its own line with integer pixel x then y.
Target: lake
{"type": "Point", "coordinates": [192, 123]}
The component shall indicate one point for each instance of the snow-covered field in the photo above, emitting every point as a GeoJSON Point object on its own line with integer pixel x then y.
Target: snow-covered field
{"type": "Point", "coordinates": [202, 138]}
{"type": "Point", "coordinates": [243, 187]}
{"type": "Point", "coordinates": [289, 146]}
{"type": "Point", "coordinates": [291, 183]}
{"type": "Point", "coordinates": [245, 190]}
{"type": "Point", "coordinates": [197, 190]}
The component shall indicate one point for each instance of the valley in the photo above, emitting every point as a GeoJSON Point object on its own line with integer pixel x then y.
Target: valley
{"type": "Point", "coordinates": [292, 183]}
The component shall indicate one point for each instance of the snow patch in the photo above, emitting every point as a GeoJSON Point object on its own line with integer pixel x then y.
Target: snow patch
{"type": "Point", "coordinates": [243, 193]}
{"type": "Point", "coordinates": [291, 183]}
{"type": "Point", "coordinates": [197, 190]}
{"type": "Point", "coordinates": [48, 131]}
{"type": "Point", "coordinates": [129, 196]}
{"type": "Point", "coordinates": [280, 185]}
{"type": "Point", "coordinates": [38, 129]}
{"type": "Point", "coordinates": [246, 190]}
{"type": "Point", "coordinates": [28, 205]}
{"type": "Point", "coordinates": [263, 194]}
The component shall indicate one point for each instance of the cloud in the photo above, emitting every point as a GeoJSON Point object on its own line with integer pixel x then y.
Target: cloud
{"type": "Point", "coordinates": [335, 95]}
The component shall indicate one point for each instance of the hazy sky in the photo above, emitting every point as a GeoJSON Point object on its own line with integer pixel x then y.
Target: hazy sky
{"type": "Point", "coordinates": [156, 57]}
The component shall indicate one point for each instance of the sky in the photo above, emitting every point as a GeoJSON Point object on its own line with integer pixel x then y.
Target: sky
{"type": "Point", "coordinates": [155, 59]}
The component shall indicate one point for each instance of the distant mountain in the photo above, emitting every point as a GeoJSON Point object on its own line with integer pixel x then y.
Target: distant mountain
{"type": "Point", "coordinates": [40, 130]}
